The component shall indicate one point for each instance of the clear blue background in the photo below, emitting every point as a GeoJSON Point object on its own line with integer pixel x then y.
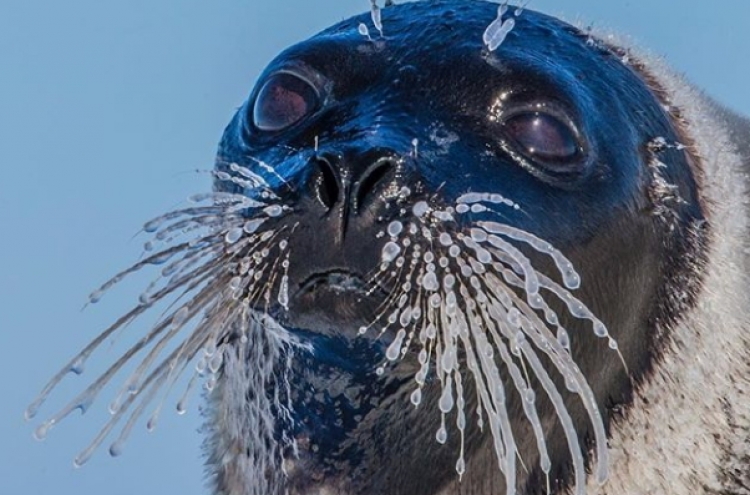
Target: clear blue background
{"type": "Point", "coordinates": [106, 108]}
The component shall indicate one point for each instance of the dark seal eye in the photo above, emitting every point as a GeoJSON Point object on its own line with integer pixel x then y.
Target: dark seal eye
{"type": "Point", "coordinates": [543, 138]}
{"type": "Point", "coordinates": [282, 101]}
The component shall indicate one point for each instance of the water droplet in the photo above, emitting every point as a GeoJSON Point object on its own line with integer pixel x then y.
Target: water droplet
{"type": "Point", "coordinates": [78, 365]}
{"type": "Point", "coordinates": [233, 235]}
{"type": "Point", "coordinates": [498, 30]}
{"type": "Point", "coordinates": [420, 209]}
{"type": "Point", "coordinates": [461, 466]}
{"type": "Point", "coordinates": [416, 397]}
{"type": "Point", "coordinates": [362, 28]}
{"type": "Point", "coordinates": [405, 318]}
{"type": "Point", "coordinates": [393, 351]}
{"type": "Point", "coordinates": [96, 296]}
{"type": "Point", "coordinates": [443, 216]}
{"type": "Point", "coordinates": [446, 398]}
{"type": "Point", "coordinates": [214, 364]}
{"type": "Point", "coordinates": [116, 449]}
{"type": "Point", "coordinates": [250, 227]}
{"type": "Point", "coordinates": [395, 228]}
{"type": "Point", "coordinates": [430, 282]}
{"type": "Point", "coordinates": [442, 435]}
{"type": "Point", "coordinates": [153, 225]}
{"type": "Point", "coordinates": [435, 300]}
{"type": "Point", "coordinates": [599, 329]}
{"type": "Point", "coordinates": [376, 16]}
{"type": "Point", "coordinates": [478, 235]}
{"type": "Point", "coordinates": [563, 338]}
{"type": "Point", "coordinates": [42, 430]}
{"type": "Point", "coordinates": [284, 292]}
{"type": "Point", "coordinates": [273, 210]}
{"type": "Point", "coordinates": [431, 331]}
{"type": "Point", "coordinates": [390, 252]}
{"type": "Point", "coordinates": [180, 316]}
{"type": "Point", "coordinates": [201, 365]}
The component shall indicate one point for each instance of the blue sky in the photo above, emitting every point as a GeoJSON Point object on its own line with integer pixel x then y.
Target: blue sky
{"type": "Point", "coordinates": [106, 110]}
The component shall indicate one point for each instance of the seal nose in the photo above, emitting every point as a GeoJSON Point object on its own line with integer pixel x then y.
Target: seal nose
{"type": "Point", "coordinates": [352, 183]}
{"type": "Point", "coordinates": [328, 184]}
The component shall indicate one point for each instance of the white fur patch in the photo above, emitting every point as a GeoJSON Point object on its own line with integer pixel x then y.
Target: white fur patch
{"type": "Point", "coordinates": [693, 416]}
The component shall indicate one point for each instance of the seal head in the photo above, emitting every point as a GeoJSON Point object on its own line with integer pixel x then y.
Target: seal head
{"type": "Point", "coordinates": [453, 257]}
{"type": "Point", "coordinates": [396, 155]}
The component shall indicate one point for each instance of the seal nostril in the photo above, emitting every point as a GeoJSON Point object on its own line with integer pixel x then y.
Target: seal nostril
{"type": "Point", "coordinates": [372, 177]}
{"type": "Point", "coordinates": [327, 184]}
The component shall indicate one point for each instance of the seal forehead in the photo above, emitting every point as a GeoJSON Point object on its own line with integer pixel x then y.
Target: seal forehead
{"type": "Point", "coordinates": [452, 31]}
{"type": "Point", "coordinates": [542, 57]}
{"type": "Point", "coordinates": [390, 90]}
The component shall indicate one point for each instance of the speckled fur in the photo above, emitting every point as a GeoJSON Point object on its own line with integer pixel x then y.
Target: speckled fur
{"type": "Point", "coordinates": [688, 430]}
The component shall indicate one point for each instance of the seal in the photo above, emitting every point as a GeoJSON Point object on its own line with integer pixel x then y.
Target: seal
{"type": "Point", "coordinates": [474, 250]}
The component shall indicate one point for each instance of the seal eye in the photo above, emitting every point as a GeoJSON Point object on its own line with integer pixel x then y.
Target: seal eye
{"type": "Point", "coordinates": [282, 101]}
{"type": "Point", "coordinates": [544, 138]}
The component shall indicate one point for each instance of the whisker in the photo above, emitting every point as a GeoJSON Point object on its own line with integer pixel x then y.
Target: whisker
{"type": "Point", "coordinates": [480, 299]}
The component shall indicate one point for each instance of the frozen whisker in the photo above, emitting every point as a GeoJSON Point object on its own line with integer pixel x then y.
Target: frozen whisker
{"type": "Point", "coordinates": [465, 201]}
{"type": "Point", "coordinates": [473, 304]}
{"type": "Point", "coordinates": [255, 180]}
{"type": "Point", "coordinates": [158, 258]}
{"type": "Point", "coordinates": [384, 277]}
{"type": "Point", "coordinates": [571, 279]}
{"type": "Point", "coordinates": [209, 221]}
{"type": "Point", "coordinates": [575, 307]}
{"type": "Point", "coordinates": [245, 184]}
{"type": "Point", "coordinates": [164, 375]}
{"type": "Point", "coordinates": [151, 384]}
{"type": "Point", "coordinates": [197, 278]}
{"type": "Point", "coordinates": [376, 16]}
{"type": "Point", "coordinates": [545, 341]}
{"type": "Point", "coordinates": [84, 399]}
{"type": "Point", "coordinates": [364, 31]}
{"type": "Point", "coordinates": [174, 322]}
{"type": "Point", "coordinates": [155, 224]}
{"type": "Point", "coordinates": [498, 29]}
{"type": "Point", "coordinates": [522, 386]}
{"type": "Point", "coordinates": [76, 364]}
{"type": "Point", "coordinates": [224, 199]}
{"type": "Point", "coordinates": [526, 321]}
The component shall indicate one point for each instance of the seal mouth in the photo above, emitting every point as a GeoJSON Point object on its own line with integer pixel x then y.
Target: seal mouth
{"type": "Point", "coordinates": [339, 282]}
{"type": "Point", "coordinates": [331, 301]}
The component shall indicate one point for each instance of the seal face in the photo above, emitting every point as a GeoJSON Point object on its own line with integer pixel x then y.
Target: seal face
{"type": "Point", "coordinates": [414, 240]}
{"type": "Point", "coordinates": [393, 152]}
